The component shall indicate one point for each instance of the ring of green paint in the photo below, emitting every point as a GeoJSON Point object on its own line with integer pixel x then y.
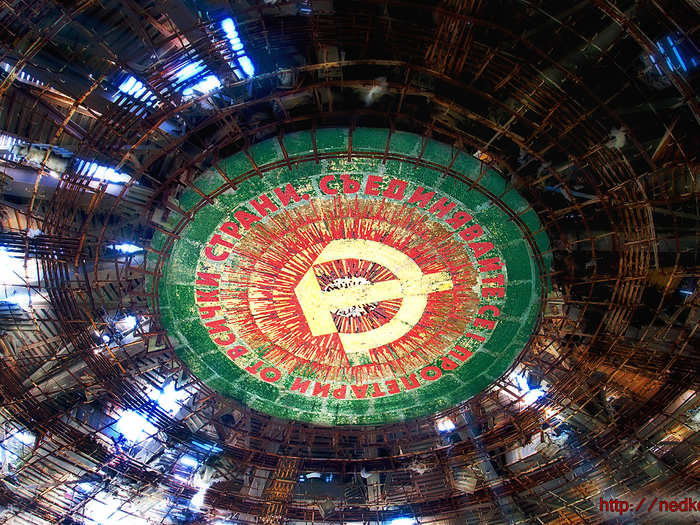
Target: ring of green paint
{"type": "Point", "coordinates": [507, 221]}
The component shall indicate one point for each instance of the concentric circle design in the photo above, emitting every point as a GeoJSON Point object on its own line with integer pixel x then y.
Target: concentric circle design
{"type": "Point", "coordinates": [356, 288]}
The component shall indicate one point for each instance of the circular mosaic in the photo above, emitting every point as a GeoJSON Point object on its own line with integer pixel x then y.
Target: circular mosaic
{"type": "Point", "coordinates": [350, 289]}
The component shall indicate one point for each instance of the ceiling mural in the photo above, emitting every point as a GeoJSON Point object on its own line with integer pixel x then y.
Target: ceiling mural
{"type": "Point", "coordinates": [350, 288]}
{"type": "Point", "coordinates": [343, 262]}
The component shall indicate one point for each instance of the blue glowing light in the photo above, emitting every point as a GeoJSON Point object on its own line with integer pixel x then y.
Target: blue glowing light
{"type": "Point", "coordinates": [126, 247]}
{"type": "Point", "coordinates": [403, 521]}
{"type": "Point", "coordinates": [229, 27]}
{"type": "Point", "coordinates": [529, 395]}
{"type": "Point", "coordinates": [304, 7]}
{"type": "Point", "coordinates": [189, 70]}
{"type": "Point", "coordinates": [22, 76]}
{"type": "Point", "coordinates": [135, 88]}
{"type": "Point", "coordinates": [207, 447]}
{"type": "Point", "coordinates": [675, 54]}
{"type": "Point", "coordinates": [103, 173]}
{"type": "Point", "coordinates": [245, 63]}
{"type": "Point", "coordinates": [128, 84]}
{"type": "Point", "coordinates": [206, 85]}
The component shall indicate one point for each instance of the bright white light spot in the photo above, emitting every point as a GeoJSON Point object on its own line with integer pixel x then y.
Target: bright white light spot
{"type": "Point", "coordinates": [403, 521]}
{"type": "Point", "coordinates": [135, 88]}
{"type": "Point", "coordinates": [16, 295]}
{"type": "Point", "coordinates": [532, 396]}
{"type": "Point", "coordinates": [7, 145]}
{"type": "Point", "coordinates": [134, 427]}
{"type": "Point", "coordinates": [169, 399]}
{"type": "Point", "coordinates": [206, 85]}
{"type": "Point", "coordinates": [103, 173]}
{"type": "Point", "coordinates": [189, 461]}
{"type": "Point", "coordinates": [229, 27]}
{"type": "Point", "coordinates": [111, 175]}
{"type": "Point", "coordinates": [529, 395]}
{"type": "Point", "coordinates": [12, 279]}
{"type": "Point", "coordinates": [6, 141]}
{"type": "Point", "coordinates": [14, 447]}
{"type": "Point", "coordinates": [246, 65]}
{"type": "Point", "coordinates": [521, 382]}
{"type": "Point", "coordinates": [23, 300]}
{"type": "Point", "coordinates": [128, 84]}
{"type": "Point", "coordinates": [85, 486]}
{"type": "Point", "coordinates": [189, 70]}
{"type": "Point", "coordinates": [22, 76]}
{"type": "Point", "coordinates": [198, 499]}
{"type": "Point", "coordinates": [26, 438]}
{"type": "Point", "coordinates": [209, 83]}
{"type": "Point", "coordinates": [12, 269]}
{"type": "Point", "coordinates": [127, 248]}
{"type": "Point", "coordinates": [446, 425]}
{"type": "Point", "coordinates": [128, 323]}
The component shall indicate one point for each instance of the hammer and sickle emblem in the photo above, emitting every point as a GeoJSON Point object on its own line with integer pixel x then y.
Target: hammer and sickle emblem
{"type": "Point", "coordinates": [411, 285]}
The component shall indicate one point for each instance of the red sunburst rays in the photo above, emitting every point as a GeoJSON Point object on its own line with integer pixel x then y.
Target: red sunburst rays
{"type": "Point", "coordinates": [272, 258]}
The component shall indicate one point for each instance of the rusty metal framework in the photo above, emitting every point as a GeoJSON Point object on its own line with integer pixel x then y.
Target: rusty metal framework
{"type": "Point", "coordinates": [578, 105]}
